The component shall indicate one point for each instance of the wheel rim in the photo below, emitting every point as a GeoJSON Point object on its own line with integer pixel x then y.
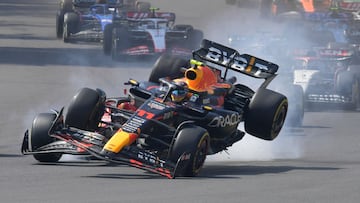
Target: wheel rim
{"type": "Point", "coordinates": [279, 119]}
{"type": "Point", "coordinates": [200, 155]}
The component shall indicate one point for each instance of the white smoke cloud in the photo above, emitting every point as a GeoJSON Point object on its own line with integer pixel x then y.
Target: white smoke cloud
{"type": "Point", "coordinates": [288, 145]}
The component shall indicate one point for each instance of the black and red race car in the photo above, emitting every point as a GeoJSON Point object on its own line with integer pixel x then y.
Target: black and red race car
{"type": "Point", "coordinates": [170, 123]}
{"type": "Point", "coordinates": [331, 77]}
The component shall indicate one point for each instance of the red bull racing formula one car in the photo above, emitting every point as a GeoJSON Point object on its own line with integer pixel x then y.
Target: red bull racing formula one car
{"type": "Point", "coordinates": [170, 123]}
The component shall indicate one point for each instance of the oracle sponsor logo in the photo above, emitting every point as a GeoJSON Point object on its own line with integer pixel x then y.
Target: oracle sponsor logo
{"type": "Point", "coordinates": [229, 120]}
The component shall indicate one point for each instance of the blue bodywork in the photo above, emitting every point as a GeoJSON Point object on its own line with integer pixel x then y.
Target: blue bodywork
{"type": "Point", "coordinates": [334, 22]}
{"type": "Point", "coordinates": [100, 12]}
{"type": "Point", "coordinates": [92, 23]}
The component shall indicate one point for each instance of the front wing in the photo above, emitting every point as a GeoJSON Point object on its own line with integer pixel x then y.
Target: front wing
{"type": "Point", "coordinates": [58, 146]}
{"type": "Point", "coordinates": [328, 98]}
{"type": "Point", "coordinates": [132, 156]}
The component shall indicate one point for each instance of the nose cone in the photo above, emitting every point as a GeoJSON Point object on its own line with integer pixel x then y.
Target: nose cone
{"type": "Point", "coordinates": [119, 140]}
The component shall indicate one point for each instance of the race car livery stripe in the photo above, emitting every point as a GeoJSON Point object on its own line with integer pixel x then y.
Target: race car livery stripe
{"type": "Point", "coordinates": [160, 171]}
{"type": "Point", "coordinates": [251, 63]}
{"type": "Point", "coordinates": [143, 113]}
{"type": "Point", "coordinates": [119, 140]}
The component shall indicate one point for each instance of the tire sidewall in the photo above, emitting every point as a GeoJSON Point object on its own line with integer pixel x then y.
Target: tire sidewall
{"type": "Point", "coordinates": [39, 136]}
{"type": "Point", "coordinates": [107, 40]}
{"type": "Point", "coordinates": [85, 110]}
{"type": "Point", "coordinates": [266, 114]}
{"type": "Point", "coordinates": [191, 140]}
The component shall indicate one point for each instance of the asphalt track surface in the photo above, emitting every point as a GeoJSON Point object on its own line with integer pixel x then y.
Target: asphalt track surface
{"type": "Point", "coordinates": [319, 162]}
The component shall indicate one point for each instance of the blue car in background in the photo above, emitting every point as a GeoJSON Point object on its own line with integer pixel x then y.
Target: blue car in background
{"type": "Point", "coordinates": [86, 20]}
{"type": "Point", "coordinates": [87, 26]}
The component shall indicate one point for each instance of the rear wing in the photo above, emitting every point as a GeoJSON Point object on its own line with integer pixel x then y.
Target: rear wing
{"type": "Point", "coordinates": [326, 52]}
{"type": "Point", "coordinates": [133, 15]}
{"type": "Point", "coordinates": [212, 53]}
{"type": "Point", "coordinates": [88, 3]}
{"type": "Point", "coordinates": [350, 5]}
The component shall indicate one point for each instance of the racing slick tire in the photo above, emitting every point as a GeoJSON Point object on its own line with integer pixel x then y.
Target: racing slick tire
{"type": "Point", "coordinates": [39, 136]}
{"type": "Point", "coordinates": [168, 66]}
{"type": "Point", "coordinates": [107, 40]}
{"type": "Point", "coordinates": [86, 109]}
{"type": "Point", "coordinates": [65, 6]}
{"type": "Point", "coordinates": [347, 84]}
{"type": "Point", "coordinates": [71, 21]}
{"type": "Point", "coordinates": [194, 141]}
{"type": "Point", "coordinates": [59, 24]}
{"type": "Point", "coordinates": [344, 81]}
{"type": "Point", "coordinates": [266, 114]}
{"type": "Point", "coordinates": [120, 42]}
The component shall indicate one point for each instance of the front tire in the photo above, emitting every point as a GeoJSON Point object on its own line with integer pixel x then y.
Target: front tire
{"type": "Point", "coordinates": [71, 21]}
{"type": "Point", "coordinates": [193, 141]}
{"type": "Point", "coordinates": [39, 136]}
{"type": "Point", "coordinates": [86, 109]}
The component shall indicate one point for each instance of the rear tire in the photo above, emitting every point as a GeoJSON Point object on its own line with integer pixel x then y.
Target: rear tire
{"type": "Point", "coordinates": [168, 66]}
{"type": "Point", "coordinates": [107, 40]}
{"type": "Point", "coordinates": [59, 25]}
{"type": "Point", "coordinates": [39, 136]}
{"type": "Point", "coordinates": [120, 42]}
{"type": "Point", "coordinates": [86, 109]}
{"type": "Point", "coordinates": [65, 6]}
{"type": "Point", "coordinates": [347, 84]}
{"type": "Point", "coordinates": [344, 82]}
{"type": "Point", "coordinates": [266, 114]}
{"type": "Point", "coordinates": [195, 141]}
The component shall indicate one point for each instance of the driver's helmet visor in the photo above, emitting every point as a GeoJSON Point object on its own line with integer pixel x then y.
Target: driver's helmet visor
{"type": "Point", "coordinates": [178, 95]}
